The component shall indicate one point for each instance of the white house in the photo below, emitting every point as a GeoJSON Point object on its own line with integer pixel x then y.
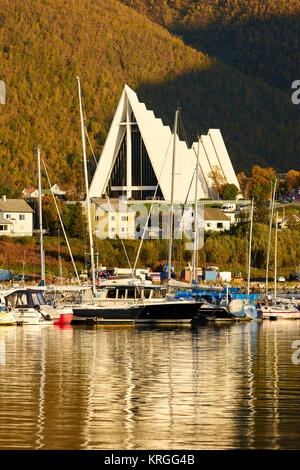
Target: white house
{"type": "Point", "coordinates": [208, 219]}
{"type": "Point", "coordinates": [34, 192]}
{"type": "Point", "coordinates": [16, 217]}
{"type": "Point", "coordinates": [216, 220]}
{"type": "Point", "coordinates": [30, 192]}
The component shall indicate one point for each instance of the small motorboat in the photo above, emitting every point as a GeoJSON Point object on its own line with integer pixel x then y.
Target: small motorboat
{"type": "Point", "coordinates": [29, 307]}
{"type": "Point", "coordinates": [280, 309]}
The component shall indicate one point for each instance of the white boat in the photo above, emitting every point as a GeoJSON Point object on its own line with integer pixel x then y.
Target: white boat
{"type": "Point", "coordinates": [281, 309]}
{"type": "Point", "coordinates": [28, 306]}
{"type": "Point", "coordinates": [239, 308]}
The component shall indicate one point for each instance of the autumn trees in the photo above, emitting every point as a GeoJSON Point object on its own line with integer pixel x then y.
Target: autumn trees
{"type": "Point", "coordinates": [108, 48]}
{"type": "Point", "coordinates": [292, 179]}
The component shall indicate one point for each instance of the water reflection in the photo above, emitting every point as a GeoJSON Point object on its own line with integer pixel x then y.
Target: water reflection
{"type": "Point", "coordinates": [217, 386]}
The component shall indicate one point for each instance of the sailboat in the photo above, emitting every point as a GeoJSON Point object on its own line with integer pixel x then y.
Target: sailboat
{"type": "Point", "coordinates": [233, 309]}
{"type": "Point", "coordinates": [133, 301]}
{"type": "Point", "coordinates": [95, 311]}
{"type": "Point", "coordinates": [169, 309]}
{"type": "Point", "coordinates": [275, 307]}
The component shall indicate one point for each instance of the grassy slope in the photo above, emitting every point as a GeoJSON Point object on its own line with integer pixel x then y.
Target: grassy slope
{"type": "Point", "coordinates": [43, 47]}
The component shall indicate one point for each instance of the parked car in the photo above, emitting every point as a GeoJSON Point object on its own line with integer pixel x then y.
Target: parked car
{"type": "Point", "coordinates": [228, 207]}
{"type": "Point", "coordinates": [287, 200]}
{"type": "Point", "coordinates": [280, 279]}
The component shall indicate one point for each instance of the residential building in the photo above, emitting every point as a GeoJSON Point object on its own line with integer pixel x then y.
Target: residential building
{"type": "Point", "coordinates": [215, 219]}
{"type": "Point", "coordinates": [209, 218]}
{"type": "Point", "coordinates": [16, 217]}
{"type": "Point", "coordinates": [29, 193]}
{"type": "Point", "coordinates": [32, 193]}
{"type": "Point", "coordinates": [112, 218]}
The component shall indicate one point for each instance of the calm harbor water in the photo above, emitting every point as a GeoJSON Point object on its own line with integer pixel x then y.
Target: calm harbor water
{"type": "Point", "coordinates": [216, 386]}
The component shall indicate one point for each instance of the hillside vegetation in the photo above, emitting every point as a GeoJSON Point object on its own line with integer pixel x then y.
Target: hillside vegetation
{"type": "Point", "coordinates": [45, 44]}
{"type": "Point", "coordinates": [260, 38]}
{"type": "Point", "coordinates": [227, 250]}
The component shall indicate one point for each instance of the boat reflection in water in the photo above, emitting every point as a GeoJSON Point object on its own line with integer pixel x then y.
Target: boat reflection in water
{"type": "Point", "coordinates": [215, 386]}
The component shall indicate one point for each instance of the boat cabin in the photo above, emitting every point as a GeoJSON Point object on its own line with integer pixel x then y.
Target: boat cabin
{"type": "Point", "coordinates": [131, 292]}
{"type": "Point", "coordinates": [25, 298]}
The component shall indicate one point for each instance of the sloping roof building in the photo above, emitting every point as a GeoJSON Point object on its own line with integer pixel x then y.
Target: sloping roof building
{"type": "Point", "coordinates": [136, 161]}
{"type": "Point", "coordinates": [16, 217]}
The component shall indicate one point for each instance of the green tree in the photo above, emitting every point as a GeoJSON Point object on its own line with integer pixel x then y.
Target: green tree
{"type": "Point", "coordinates": [74, 220]}
{"type": "Point", "coordinates": [229, 192]}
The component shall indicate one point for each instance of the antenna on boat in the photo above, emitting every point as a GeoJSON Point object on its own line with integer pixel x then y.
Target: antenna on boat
{"type": "Point", "coordinates": [87, 190]}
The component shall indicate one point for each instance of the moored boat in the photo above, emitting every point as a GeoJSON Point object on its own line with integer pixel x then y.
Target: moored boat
{"type": "Point", "coordinates": [29, 307]}
{"type": "Point", "coordinates": [96, 313]}
{"type": "Point", "coordinates": [280, 309]}
{"type": "Point", "coordinates": [169, 311]}
{"type": "Point", "coordinates": [235, 310]}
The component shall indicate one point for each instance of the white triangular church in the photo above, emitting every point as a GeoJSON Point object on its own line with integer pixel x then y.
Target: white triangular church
{"type": "Point", "coordinates": [136, 161]}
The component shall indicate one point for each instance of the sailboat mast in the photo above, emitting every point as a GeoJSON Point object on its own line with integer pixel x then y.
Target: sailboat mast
{"type": "Point", "coordinates": [172, 196]}
{"type": "Point", "coordinates": [269, 241]}
{"type": "Point", "coordinates": [275, 264]}
{"type": "Point", "coordinates": [87, 190]}
{"type": "Point", "coordinates": [195, 251]}
{"type": "Point", "coordinates": [250, 243]}
{"type": "Point", "coordinates": [41, 217]}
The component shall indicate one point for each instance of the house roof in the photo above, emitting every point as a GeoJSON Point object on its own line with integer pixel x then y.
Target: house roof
{"type": "Point", "coordinates": [14, 205]}
{"type": "Point", "coordinates": [29, 190]}
{"type": "Point", "coordinates": [213, 213]}
{"type": "Point", "coordinates": [112, 204]}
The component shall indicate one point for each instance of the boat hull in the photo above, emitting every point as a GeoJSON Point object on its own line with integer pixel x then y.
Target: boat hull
{"type": "Point", "coordinates": [214, 313]}
{"type": "Point", "coordinates": [6, 318]}
{"type": "Point", "coordinates": [168, 312]}
{"type": "Point", "coordinates": [220, 313]}
{"type": "Point", "coordinates": [292, 315]}
{"type": "Point", "coordinates": [105, 314]}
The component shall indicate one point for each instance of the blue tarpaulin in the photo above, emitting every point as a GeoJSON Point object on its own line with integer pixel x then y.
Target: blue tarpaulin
{"type": "Point", "coordinates": [5, 275]}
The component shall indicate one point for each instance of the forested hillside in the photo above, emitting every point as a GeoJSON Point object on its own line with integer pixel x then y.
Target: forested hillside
{"type": "Point", "coordinates": [260, 38]}
{"type": "Point", "coordinates": [45, 44]}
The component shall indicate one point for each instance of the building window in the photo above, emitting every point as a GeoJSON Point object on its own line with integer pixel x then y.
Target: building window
{"type": "Point", "coordinates": [219, 225]}
{"type": "Point", "coordinates": [22, 217]}
{"type": "Point", "coordinates": [113, 217]}
{"type": "Point", "coordinates": [3, 228]}
{"type": "Point", "coordinates": [124, 218]}
{"type": "Point", "coordinates": [8, 216]}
